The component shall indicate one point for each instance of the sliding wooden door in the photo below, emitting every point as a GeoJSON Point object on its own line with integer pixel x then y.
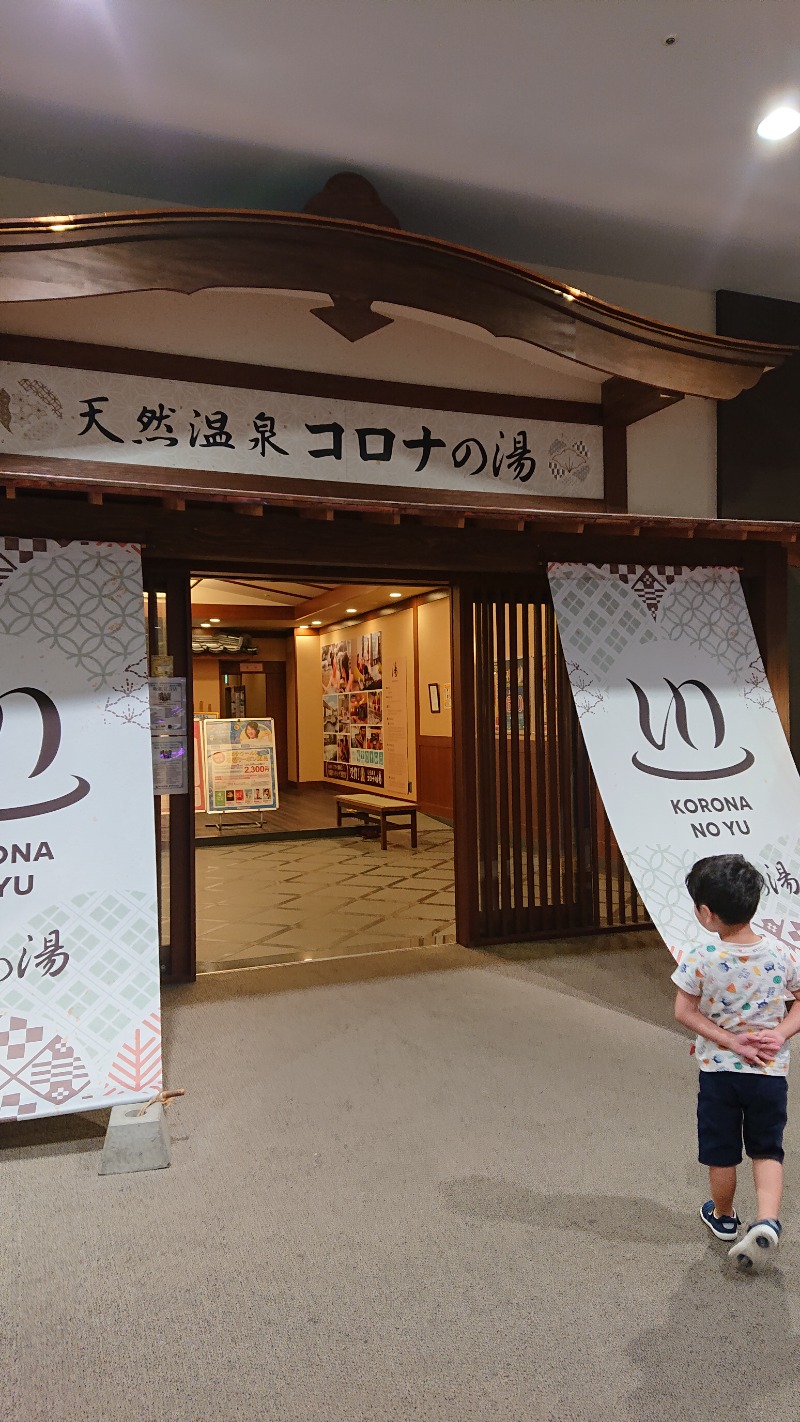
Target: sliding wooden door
{"type": "Point", "coordinates": [535, 856]}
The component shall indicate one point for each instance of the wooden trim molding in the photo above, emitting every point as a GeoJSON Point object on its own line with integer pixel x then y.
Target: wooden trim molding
{"type": "Point", "coordinates": [357, 264]}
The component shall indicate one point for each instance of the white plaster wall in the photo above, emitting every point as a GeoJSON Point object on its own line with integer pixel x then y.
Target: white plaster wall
{"type": "Point", "coordinates": [20, 198]}
{"type": "Point", "coordinates": [672, 455]}
{"type": "Point", "coordinates": [275, 329]}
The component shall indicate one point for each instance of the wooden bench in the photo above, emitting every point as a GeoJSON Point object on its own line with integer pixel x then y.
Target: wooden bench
{"type": "Point", "coordinates": [376, 810]}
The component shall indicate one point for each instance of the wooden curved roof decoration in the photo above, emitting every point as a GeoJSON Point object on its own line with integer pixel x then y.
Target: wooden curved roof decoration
{"type": "Point", "coordinates": [358, 263]}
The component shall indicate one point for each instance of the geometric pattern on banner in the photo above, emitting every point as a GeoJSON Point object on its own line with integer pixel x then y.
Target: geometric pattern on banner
{"type": "Point", "coordinates": [708, 612]}
{"type": "Point", "coordinates": [38, 1069]}
{"type": "Point", "coordinates": [83, 605]}
{"type": "Point", "coordinates": [649, 584]}
{"type": "Point", "coordinates": [109, 977]}
{"type": "Point", "coordinates": [659, 871]}
{"type": "Point", "coordinates": [137, 1065]}
{"type": "Point", "coordinates": [601, 616]}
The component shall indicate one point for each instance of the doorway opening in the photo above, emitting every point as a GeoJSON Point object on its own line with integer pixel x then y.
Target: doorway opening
{"type": "Point", "coordinates": [323, 820]}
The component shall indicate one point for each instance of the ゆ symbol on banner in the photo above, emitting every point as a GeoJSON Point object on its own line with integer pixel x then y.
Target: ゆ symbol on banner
{"type": "Point", "coordinates": [679, 705]}
{"type": "Point", "coordinates": [50, 742]}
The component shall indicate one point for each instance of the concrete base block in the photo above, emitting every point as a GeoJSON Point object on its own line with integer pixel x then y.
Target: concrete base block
{"type": "Point", "coordinates": [135, 1142]}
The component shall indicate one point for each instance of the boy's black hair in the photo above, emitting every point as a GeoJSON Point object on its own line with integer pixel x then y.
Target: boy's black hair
{"type": "Point", "coordinates": [728, 884]}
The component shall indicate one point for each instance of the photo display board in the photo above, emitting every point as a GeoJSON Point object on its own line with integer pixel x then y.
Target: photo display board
{"type": "Point", "coordinates": [352, 710]}
{"type": "Point", "coordinates": [683, 734]}
{"type": "Point", "coordinates": [240, 764]}
{"type": "Point", "coordinates": [79, 942]}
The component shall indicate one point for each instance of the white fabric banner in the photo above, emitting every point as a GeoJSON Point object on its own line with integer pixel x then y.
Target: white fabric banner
{"type": "Point", "coordinates": [682, 733]}
{"type": "Point", "coordinates": [79, 951]}
{"type": "Point", "coordinates": [175, 424]}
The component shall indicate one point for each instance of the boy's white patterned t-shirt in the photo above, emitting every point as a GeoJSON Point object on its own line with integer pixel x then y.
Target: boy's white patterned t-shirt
{"type": "Point", "coordinates": [740, 988]}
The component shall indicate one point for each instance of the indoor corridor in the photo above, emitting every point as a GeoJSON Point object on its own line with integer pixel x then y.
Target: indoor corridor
{"type": "Point", "coordinates": [294, 900]}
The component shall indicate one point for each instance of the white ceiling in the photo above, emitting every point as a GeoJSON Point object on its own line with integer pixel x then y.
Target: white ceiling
{"type": "Point", "coordinates": [553, 131]}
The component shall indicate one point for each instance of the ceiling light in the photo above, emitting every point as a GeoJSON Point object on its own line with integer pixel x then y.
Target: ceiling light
{"type": "Point", "coordinates": [780, 123]}
{"type": "Point", "coordinates": [215, 619]}
{"type": "Point", "coordinates": [395, 594]}
{"type": "Point", "coordinates": [315, 622]}
{"type": "Point", "coordinates": [205, 624]}
{"type": "Point", "coordinates": [303, 628]}
{"type": "Point", "coordinates": [351, 609]}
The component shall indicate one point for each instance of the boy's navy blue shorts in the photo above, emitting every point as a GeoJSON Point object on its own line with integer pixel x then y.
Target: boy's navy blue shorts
{"type": "Point", "coordinates": [732, 1105]}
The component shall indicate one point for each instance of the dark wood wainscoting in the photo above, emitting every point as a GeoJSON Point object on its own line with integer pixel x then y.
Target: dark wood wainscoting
{"type": "Point", "coordinates": [435, 776]}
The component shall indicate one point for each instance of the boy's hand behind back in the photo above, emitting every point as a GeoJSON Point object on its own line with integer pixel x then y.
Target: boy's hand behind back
{"type": "Point", "coordinates": [751, 1050]}
{"type": "Point", "coordinates": [769, 1042]}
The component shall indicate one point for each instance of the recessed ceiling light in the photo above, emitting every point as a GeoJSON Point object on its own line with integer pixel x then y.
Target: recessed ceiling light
{"type": "Point", "coordinates": [315, 622]}
{"type": "Point", "coordinates": [780, 123]}
{"type": "Point", "coordinates": [395, 594]}
{"type": "Point", "coordinates": [351, 609]}
{"type": "Point", "coordinates": [303, 627]}
{"type": "Point", "coordinates": [205, 624]}
{"type": "Point", "coordinates": [214, 619]}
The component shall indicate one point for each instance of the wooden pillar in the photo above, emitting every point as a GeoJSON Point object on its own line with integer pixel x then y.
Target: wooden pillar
{"type": "Point", "coordinates": [465, 788]}
{"type": "Point", "coordinates": [767, 594]}
{"type": "Point", "coordinates": [615, 453]}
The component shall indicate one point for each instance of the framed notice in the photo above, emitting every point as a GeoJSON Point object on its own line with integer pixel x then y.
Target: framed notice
{"type": "Point", "coordinates": [240, 765]}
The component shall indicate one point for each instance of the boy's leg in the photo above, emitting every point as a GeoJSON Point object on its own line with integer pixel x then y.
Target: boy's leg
{"type": "Point", "coordinates": [764, 1102]}
{"type": "Point", "coordinates": [722, 1183]}
{"type": "Point", "coordinates": [768, 1178]}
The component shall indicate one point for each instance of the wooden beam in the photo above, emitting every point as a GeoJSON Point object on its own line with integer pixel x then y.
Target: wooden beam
{"type": "Point", "coordinates": [615, 467]}
{"type": "Point", "coordinates": [232, 614]}
{"type": "Point", "coordinates": [627, 401]}
{"type": "Point", "coordinates": [185, 250]}
{"type": "Point", "coordinates": [324, 515]}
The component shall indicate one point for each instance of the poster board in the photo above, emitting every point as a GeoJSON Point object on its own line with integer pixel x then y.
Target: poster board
{"type": "Point", "coordinates": [353, 710]}
{"type": "Point", "coordinates": [241, 771]}
{"type": "Point", "coordinates": [79, 941]}
{"type": "Point", "coordinates": [683, 734]}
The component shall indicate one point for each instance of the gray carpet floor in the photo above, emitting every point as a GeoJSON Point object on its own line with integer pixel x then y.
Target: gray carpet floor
{"type": "Point", "coordinates": [429, 1186]}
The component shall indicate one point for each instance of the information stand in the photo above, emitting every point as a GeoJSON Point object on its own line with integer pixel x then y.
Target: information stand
{"type": "Point", "coordinates": [241, 772]}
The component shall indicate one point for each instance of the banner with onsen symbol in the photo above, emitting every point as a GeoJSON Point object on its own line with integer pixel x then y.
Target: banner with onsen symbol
{"type": "Point", "coordinates": [79, 951]}
{"type": "Point", "coordinates": [682, 732]}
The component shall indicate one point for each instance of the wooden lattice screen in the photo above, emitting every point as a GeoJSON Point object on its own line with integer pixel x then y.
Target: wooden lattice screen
{"type": "Point", "coordinates": [535, 854]}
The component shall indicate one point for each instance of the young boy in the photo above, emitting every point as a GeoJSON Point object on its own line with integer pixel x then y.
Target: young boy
{"type": "Point", "coordinates": [733, 993]}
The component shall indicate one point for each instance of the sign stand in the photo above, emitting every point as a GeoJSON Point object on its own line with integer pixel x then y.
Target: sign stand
{"type": "Point", "coordinates": [136, 1139]}
{"type": "Point", "coordinates": [218, 822]}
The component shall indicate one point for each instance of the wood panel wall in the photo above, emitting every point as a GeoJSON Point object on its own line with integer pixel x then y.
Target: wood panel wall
{"type": "Point", "coordinates": [435, 776]}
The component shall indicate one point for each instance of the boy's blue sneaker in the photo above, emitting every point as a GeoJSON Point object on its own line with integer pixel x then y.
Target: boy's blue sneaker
{"type": "Point", "coordinates": [756, 1249]}
{"type": "Point", "coordinates": [723, 1226]}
